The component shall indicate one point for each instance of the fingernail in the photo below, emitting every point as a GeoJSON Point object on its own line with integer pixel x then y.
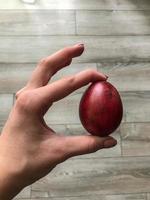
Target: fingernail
{"type": "Point", "coordinates": [106, 76]}
{"type": "Point", "coordinates": [110, 143]}
{"type": "Point", "coordinates": [80, 45]}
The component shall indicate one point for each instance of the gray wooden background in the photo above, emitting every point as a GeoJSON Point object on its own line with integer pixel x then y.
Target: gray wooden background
{"type": "Point", "coordinates": [116, 34]}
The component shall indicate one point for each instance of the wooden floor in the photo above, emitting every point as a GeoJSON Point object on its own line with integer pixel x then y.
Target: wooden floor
{"type": "Point", "coordinates": [116, 34]}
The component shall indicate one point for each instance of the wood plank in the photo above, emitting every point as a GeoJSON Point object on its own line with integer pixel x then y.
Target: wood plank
{"type": "Point", "coordinates": [148, 196]}
{"type": "Point", "coordinates": [107, 197]}
{"type": "Point", "coordinates": [25, 193]}
{"type": "Point", "coordinates": [135, 139]}
{"type": "Point", "coordinates": [98, 197]}
{"type": "Point", "coordinates": [6, 102]}
{"type": "Point", "coordinates": [113, 23]}
{"type": "Point", "coordinates": [64, 111]}
{"type": "Point", "coordinates": [78, 4]}
{"type": "Point", "coordinates": [15, 76]}
{"type": "Point", "coordinates": [127, 76]}
{"type": "Point", "coordinates": [37, 194]}
{"type": "Point", "coordinates": [77, 177]}
{"type": "Point", "coordinates": [136, 108]}
{"type": "Point", "coordinates": [77, 129]}
{"type": "Point", "coordinates": [98, 48]}
{"type": "Point", "coordinates": [37, 22]}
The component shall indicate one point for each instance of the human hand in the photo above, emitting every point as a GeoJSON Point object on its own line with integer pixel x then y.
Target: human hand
{"type": "Point", "coordinates": [29, 149]}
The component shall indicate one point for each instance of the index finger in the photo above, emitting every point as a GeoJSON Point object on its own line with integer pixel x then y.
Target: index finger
{"type": "Point", "coordinates": [63, 87]}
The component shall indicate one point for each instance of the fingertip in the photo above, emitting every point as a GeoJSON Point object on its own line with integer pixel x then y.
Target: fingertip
{"type": "Point", "coordinates": [101, 76]}
{"type": "Point", "coordinates": [106, 76]}
{"type": "Point", "coordinates": [80, 45]}
{"type": "Point", "coordinates": [110, 142]}
{"type": "Point", "coordinates": [79, 48]}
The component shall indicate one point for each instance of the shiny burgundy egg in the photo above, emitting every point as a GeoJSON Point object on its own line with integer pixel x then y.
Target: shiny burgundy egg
{"type": "Point", "coordinates": [101, 109]}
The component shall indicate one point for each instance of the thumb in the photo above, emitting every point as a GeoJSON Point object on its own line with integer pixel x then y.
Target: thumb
{"type": "Point", "coordinates": [79, 145]}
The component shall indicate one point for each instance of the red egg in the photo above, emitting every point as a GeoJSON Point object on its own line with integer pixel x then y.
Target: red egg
{"type": "Point", "coordinates": [101, 109]}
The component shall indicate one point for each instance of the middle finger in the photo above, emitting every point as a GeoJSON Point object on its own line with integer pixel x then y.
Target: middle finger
{"type": "Point", "coordinates": [50, 65]}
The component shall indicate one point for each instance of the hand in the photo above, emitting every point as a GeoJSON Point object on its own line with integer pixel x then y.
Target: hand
{"type": "Point", "coordinates": [29, 149]}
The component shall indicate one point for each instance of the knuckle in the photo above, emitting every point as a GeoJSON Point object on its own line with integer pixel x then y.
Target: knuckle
{"type": "Point", "coordinates": [17, 94]}
{"type": "Point", "coordinates": [43, 61]}
{"type": "Point", "coordinates": [70, 80]}
{"type": "Point", "coordinates": [66, 52]}
{"type": "Point", "coordinates": [62, 154]}
{"type": "Point", "coordinates": [93, 146]}
{"type": "Point", "coordinates": [23, 101]}
{"type": "Point", "coordinates": [65, 149]}
{"type": "Point", "coordinates": [68, 62]}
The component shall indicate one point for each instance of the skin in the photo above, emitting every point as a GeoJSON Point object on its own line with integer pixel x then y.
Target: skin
{"type": "Point", "coordinates": [29, 149]}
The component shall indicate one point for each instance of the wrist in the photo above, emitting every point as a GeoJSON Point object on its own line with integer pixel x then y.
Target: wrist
{"type": "Point", "coordinates": [10, 171]}
{"type": "Point", "coordinates": [9, 183]}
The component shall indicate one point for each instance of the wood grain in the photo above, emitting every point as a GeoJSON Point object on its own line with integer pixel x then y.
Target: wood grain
{"type": "Point", "coordinates": [78, 4]}
{"type": "Point", "coordinates": [136, 106]}
{"type": "Point", "coordinates": [37, 22]}
{"type": "Point", "coordinates": [6, 102]}
{"type": "Point", "coordinates": [77, 177]}
{"type": "Point", "coordinates": [64, 111]}
{"type": "Point", "coordinates": [148, 196]}
{"type": "Point", "coordinates": [99, 197]}
{"type": "Point", "coordinates": [113, 23]}
{"type": "Point", "coordinates": [108, 197]}
{"type": "Point", "coordinates": [25, 193]}
{"type": "Point", "coordinates": [52, 22]}
{"type": "Point", "coordinates": [127, 76]}
{"type": "Point", "coordinates": [29, 49]}
{"type": "Point", "coordinates": [37, 194]}
{"type": "Point", "coordinates": [135, 139]}
{"type": "Point", "coordinates": [15, 76]}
